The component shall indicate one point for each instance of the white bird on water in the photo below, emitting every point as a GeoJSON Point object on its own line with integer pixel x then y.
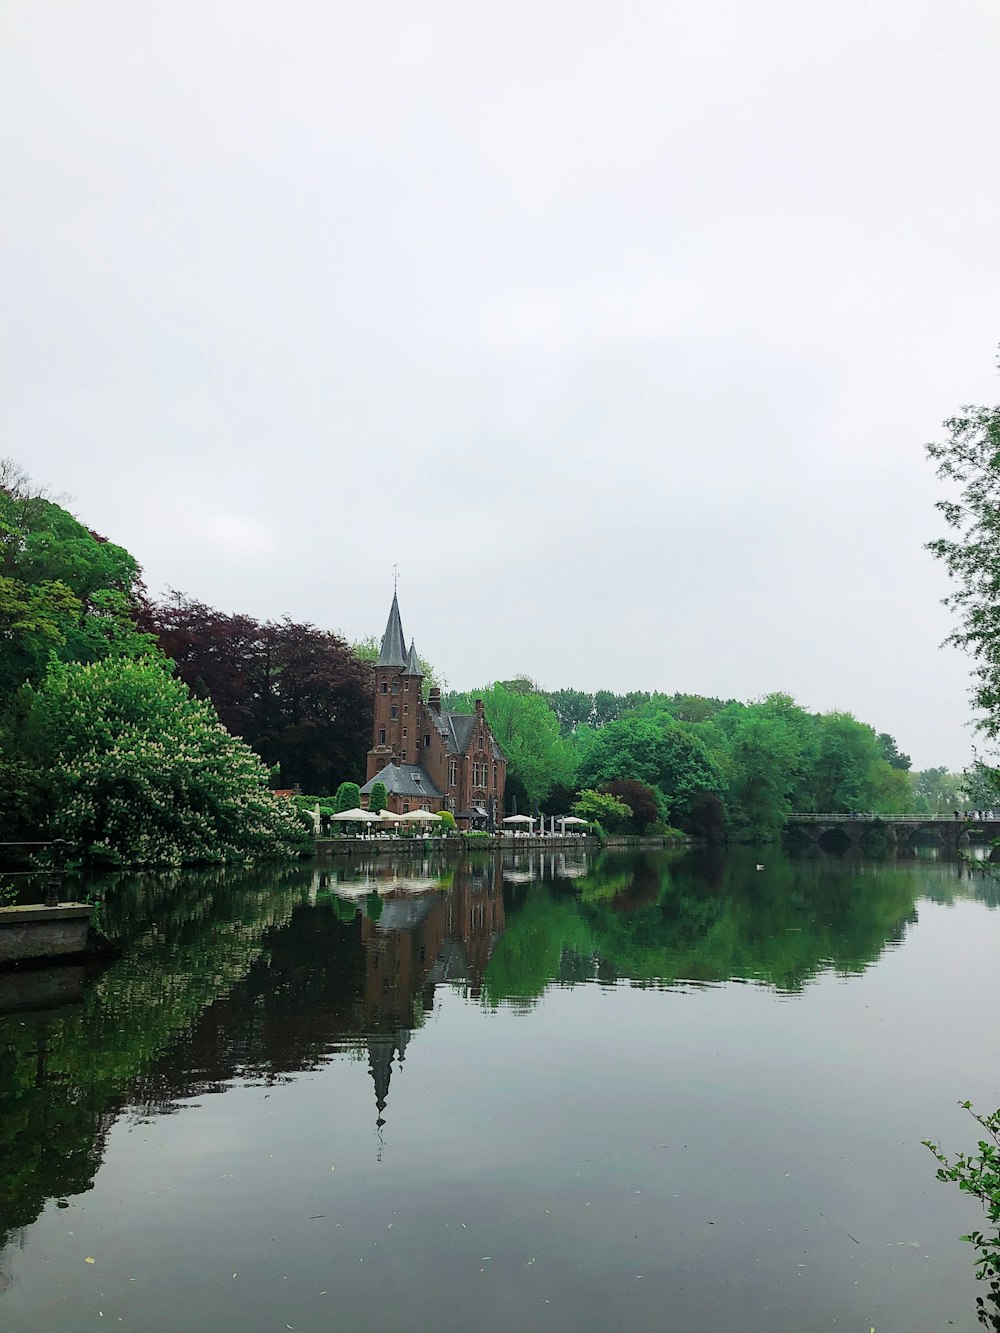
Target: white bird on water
{"type": "Point", "coordinates": [759, 866]}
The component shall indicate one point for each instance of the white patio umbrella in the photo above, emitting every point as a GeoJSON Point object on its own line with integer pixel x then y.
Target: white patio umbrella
{"type": "Point", "coordinates": [419, 817]}
{"type": "Point", "coordinates": [572, 819]}
{"type": "Point", "coordinates": [518, 819]}
{"type": "Point", "coordinates": [356, 816]}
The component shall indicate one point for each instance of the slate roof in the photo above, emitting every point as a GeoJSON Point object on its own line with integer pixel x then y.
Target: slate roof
{"type": "Point", "coordinates": [404, 780]}
{"type": "Point", "coordinates": [456, 730]}
{"type": "Point", "coordinates": [393, 651]}
{"type": "Point", "coordinates": [412, 667]}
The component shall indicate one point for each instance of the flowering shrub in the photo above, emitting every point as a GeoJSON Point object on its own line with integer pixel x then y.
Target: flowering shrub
{"type": "Point", "coordinates": [140, 772]}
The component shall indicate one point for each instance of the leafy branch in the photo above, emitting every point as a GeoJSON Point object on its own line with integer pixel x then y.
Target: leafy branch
{"type": "Point", "coordinates": [979, 1175]}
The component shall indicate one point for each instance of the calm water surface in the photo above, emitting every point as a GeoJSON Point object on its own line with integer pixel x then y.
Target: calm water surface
{"type": "Point", "coordinates": [569, 1094]}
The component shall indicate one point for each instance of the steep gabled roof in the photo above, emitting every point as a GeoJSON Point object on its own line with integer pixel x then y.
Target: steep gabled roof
{"type": "Point", "coordinates": [461, 726]}
{"type": "Point", "coordinates": [393, 651]}
{"type": "Point", "coordinates": [404, 780]}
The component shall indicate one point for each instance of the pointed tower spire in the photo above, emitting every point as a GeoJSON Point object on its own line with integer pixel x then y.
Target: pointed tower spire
{"type": "Point", "coordinates": [393, 652]}
{"type": "Point", "coordinates": [412, 667]}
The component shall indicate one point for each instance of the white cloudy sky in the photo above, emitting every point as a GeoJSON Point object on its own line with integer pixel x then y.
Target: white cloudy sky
{"type": "Point", "coordinates": [620, 326]}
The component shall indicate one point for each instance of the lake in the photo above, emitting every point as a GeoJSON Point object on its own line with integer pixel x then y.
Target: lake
{"type": "Point", "coordinates": [572, 1093]}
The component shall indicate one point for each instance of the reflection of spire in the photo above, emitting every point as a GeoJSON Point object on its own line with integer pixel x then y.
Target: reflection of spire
{"type": "Point", "coordinates": [380, 1053]}
{"type": "Point", "coordinates": [381, 1049]}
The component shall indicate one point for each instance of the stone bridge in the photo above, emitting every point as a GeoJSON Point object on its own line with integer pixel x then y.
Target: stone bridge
{"type": "Point", "coordinates": [899, 830]}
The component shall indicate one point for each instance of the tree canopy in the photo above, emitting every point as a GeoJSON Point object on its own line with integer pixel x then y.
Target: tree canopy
{"type": "Point", "coordinates": [968, 460]}
{"type": "Point", "coordinates": [298, 695]}
{"type": "Point", "coordinates": [141, 772]}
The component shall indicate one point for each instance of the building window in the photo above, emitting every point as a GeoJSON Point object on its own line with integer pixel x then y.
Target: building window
{"type": "Point", "coordinates": [395, 687]}
{"type": "Point", "coordinates": [406, 708]}
{"type": "Point", "coordinates": [480, 742]}
{"type": "Point", "coordinates": [406, 807]}
{"type": "Point", "coordinates": [381, 735]}
{"type": "Point", "coordinates": [494, 775]}
{"type": "Point", "coordinates": [404, 733]}
{"type": "Point", "coordinates": [385, 688]}
{"type": "Point", "coordinates": [394, 711]}
{"type": "Point", "coordinates": [453, 773]}
{"type": "Point", "coordinates": [406, 685]}
{"type": "Point", "coordinates": [427, 740]}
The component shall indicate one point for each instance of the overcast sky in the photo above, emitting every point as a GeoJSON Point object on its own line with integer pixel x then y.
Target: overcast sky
{"type": "Point", "coordinates": [620, 327]}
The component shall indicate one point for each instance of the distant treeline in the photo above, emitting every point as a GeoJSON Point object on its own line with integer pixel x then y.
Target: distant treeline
{"type": "Point", "coordinates": [714, 767]}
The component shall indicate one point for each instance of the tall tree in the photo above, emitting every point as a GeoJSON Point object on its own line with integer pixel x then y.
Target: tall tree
{"type": "Point", "coordinates": [527, 730]}
{"type": "Point", "coordinates": [667, 755]}
{"type": "Point", "coordinates": [968, 460]}
{"type": "Point", "coordinates": [298, 695]}
{"type": "Point", "coordinates": [573, 708]}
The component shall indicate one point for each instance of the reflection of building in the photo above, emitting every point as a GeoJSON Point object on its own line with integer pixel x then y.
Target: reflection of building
{"type": "Point", "coordinates": [419, 942]}
{"type": "Point", "coordinates": [428, 759]}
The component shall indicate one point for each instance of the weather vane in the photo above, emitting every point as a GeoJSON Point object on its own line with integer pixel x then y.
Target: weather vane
{"type": "Point", "coordinates": [395, 577]}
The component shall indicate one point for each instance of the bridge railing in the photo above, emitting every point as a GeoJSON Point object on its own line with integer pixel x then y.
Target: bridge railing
{"type": "Point", "coordinates": [870, 817]}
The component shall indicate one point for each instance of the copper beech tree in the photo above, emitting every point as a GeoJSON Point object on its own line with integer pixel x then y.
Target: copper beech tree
{"type": "Point", "coordinates": [298, 695]}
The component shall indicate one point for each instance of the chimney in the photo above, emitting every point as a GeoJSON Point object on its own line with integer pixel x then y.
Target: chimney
{"type": "Point", "coordinates": [434, 699]}
{"type": "Point", "coordinates": [479, 709]}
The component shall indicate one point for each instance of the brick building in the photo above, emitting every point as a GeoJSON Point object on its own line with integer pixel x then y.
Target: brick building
{"type": "Point", "coordinates": [429, 759]}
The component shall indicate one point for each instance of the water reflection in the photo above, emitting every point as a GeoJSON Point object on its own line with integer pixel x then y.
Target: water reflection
{"type": "Point", "coordinates": [254, 978]}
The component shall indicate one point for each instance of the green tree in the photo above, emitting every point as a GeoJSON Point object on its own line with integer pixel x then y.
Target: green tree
{"type": "Point", "coordinates": [669, 756]}
{"type": "Point", "coordinates": [378, 799]}
{"type": "Point", "coordinates": [891, 753]}
{"type": "Point", "coordinates": [63, 589]}
{"type": "Point", "coordinates": [602, 808]}
{"type": "Point", "coordinates": [527, 730]}
{"type": "Point", "coordinates": [348, 797]}
{"type": "Point", "coordinates": [968, 460]}
{"type": "Point", "coordinates": [573, 708]}
{"type": "Point", "coordinates": [766, 759]}
{"type": "Point", "coordinates": [138, 771]}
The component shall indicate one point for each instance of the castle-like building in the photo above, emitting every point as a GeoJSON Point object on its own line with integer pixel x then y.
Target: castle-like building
{"type": "Point", "coordinates": [429, 759]}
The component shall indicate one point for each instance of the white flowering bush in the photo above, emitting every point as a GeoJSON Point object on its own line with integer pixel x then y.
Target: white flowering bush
{"type": "Point", "coordinates": [139, 772]}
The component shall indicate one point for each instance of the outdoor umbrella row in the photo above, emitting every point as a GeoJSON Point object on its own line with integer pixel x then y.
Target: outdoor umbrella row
{"type": "Point", "coordinates": [359, 816]}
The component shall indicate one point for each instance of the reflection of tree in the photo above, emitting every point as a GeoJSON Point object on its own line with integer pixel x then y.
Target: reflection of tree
{"type": "Point", "coordinates": [254, 981]}
{"type": "Point", "coordinates": [63, 1072]}
{"type": "Point", "coordinates": [657, 918]}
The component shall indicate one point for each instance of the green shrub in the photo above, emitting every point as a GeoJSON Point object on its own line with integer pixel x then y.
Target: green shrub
{"type": "Point", "coordinates": [379, 798]}
{"type": "Point", "coordinates": [979, 1175]}
{"type": "Point", "coordinates": [348, 797]}
{"type": "Point", "coordinates": [447, 822]}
